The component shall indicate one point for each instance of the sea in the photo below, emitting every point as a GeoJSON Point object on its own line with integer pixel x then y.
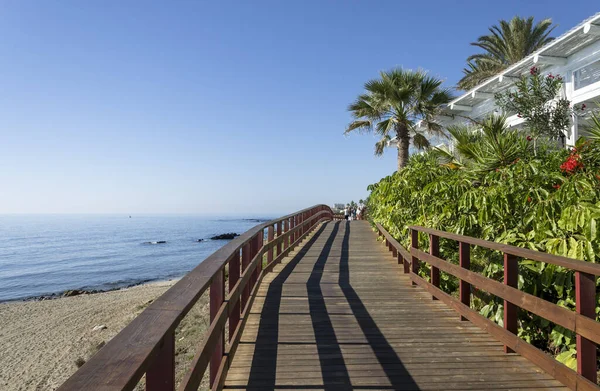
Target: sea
{"type": "Point", "coordinates": [44, 255]}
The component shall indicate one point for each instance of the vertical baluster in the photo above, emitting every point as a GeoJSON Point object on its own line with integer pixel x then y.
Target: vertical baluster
{"type": "Point", "coordinates": [217, 296]}
{"type": "Point", "coordinates": [253, 252]}
{"type": "Point", "coordinates": [245, 262]}
{"type": "Point", "coordinates": [161, 374]}
{"type": "Point", "coordinates": [234, 276]}
{"type": "Point", "coordinates": [286, 239]}
{"type": "Point", "coordinates": [585, 302]}
{"type": "Point", "coordinates": [279, 224]}
{"type": "Point", "coordinates": [464, 260]}
{"type": "Point", "coordinates": [511, 278]}
{"type": "Point", "coordinates": [434, 249]}
{"type": "Point", "coordinates": [293, 226]}
{"type": "Point", "coordinates": [270, 237]}
{"type": "Point", "coordinates": [405, 264]}
{"type": "Point", "coordinates": [414, 243]}
{"type": "Point", "coordinates": [260, 240]}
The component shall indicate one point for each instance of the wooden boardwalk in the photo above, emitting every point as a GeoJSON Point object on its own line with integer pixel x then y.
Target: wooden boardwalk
{"type": "Point", "coordinates": [339, 314]}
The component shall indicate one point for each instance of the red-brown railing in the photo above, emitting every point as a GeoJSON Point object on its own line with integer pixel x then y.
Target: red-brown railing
{"type": "Point", "coordinates": [582, 322]}
{"type": "Point", "coordinates": [147, 344]}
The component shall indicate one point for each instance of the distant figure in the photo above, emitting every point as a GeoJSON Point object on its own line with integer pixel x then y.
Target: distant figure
{"type": "Point", "coordinates": [353, 213]}
{"type": "Point", "coordinates": [346, 209]}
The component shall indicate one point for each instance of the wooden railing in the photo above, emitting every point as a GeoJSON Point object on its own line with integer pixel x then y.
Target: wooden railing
{"type": "Point", "coordinates": [582, 322]}
{"type": "Point", "coordinates": [338, 216]}
{"type": "Point", "coordinates": [147, 344]}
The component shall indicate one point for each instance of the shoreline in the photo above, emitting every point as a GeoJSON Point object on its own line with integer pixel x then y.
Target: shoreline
{"type": "Point", "coordinates": [84, 291]}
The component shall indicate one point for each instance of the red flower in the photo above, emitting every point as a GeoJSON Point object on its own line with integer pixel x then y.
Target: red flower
{"type": "Point", "coordinates": [529, 138]}
{"type": "Point", "coordinates": [497, 170]}
{"type": "Point", "coordinates": [583, 106]}
{"type": "Point", "coordinates": [572, 164]}
{"type": "Point", "coordinates": [519, 115]}
{"type": "Point", "coordinates": [533, 70]}
{"type": "Point", "coordinates": [550, 76]}
{"type": "Point", "coordinates": [528, 199]}
{"type": "Point", "coordinates": [556, 186]}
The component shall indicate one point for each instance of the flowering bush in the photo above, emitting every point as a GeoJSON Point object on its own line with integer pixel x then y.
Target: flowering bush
{"type": "Point", "coordinates": [537, 100]}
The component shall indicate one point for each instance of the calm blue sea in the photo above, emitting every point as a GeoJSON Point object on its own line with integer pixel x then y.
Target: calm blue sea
{"type": "Point", "coordinates": [45, 254]}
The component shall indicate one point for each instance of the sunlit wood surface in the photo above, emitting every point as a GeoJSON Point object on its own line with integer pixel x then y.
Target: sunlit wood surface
{"type": "Point", "coordinates": [339, 314]}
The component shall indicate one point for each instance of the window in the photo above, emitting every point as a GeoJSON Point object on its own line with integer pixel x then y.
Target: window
{"type": "Point", "coordinates": [587, 75]}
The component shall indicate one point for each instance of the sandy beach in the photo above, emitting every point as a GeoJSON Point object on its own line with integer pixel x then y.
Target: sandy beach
{"type": "Point", "coordinates": [43, 342]}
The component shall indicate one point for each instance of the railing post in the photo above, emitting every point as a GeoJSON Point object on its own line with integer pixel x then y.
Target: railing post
{"type": "Point", "coordinates": [234, 276]}
{"type": "Point", "coordinates": [292, 226]}
{"type": "Point", "coordinates": [260, 240]}
{"type": "Point", "coordinates": [414, 243]}
{"type": "Point", "coordinates": [434, 249]}
{"type": "Point", "coordinates": [246, 257]}
{"type": "Point", "coordinates": [286, 239]}
{"type": "Point", "coordinates": [464, 260]}
{"type": "Point", "coordinates": [270, 237]}
{"type": "Point", "coordinates": [217, 296]}
{"type": "Point", "coordinates": [585, 303]}
{"type": "Point", "coordinates": [511, 278]}
{"type": "Point", "coordinates": [161, 374]}
{"type": "Point", "coordinates": [279, 224]}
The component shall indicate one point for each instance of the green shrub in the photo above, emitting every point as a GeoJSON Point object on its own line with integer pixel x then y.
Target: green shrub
{"type": "Point", "coordinates": [549, 202]}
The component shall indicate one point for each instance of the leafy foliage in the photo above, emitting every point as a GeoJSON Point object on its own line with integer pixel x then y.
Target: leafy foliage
{"type": "Point", "coordinates": [507, 43]}
{"type": "Point", "coordinates": [524, 200]}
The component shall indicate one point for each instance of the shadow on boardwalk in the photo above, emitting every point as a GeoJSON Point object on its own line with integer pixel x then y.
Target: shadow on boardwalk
{"type": "Point", "coordinates": [334, 372]}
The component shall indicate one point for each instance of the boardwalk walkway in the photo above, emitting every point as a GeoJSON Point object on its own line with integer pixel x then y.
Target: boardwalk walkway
{"type": "Point", "coordinates": [338, 314]}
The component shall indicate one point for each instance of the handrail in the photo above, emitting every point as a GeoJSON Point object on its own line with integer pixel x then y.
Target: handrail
{"type": "Point", "coordinates": [147, 344]}
{"type": "Point", "coordinates": [582, 322]}
{"type": "Point", "coordinates": [569, 263]}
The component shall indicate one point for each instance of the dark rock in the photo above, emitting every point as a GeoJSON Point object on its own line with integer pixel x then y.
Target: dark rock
{"type": "Point", "coordinates": [200, 240]}
{"type": "Point", "coordinates": [157, 242]}
{"type": "Point", "coordinates": [73, 292]}
{"type": "Point", "coordinates": [226, 236]}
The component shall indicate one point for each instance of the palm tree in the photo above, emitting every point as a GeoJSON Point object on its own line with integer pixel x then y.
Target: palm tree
{"type": "Point", "coordinates": [392, 105]}
{"type": "Point", "coordinates": [506, 44]}
{"type": "Point", "coordinates": [491, 146]}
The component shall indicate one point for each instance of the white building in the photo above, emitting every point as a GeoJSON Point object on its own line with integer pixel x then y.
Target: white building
{"type": "Point", "coordinates": [575, 56]}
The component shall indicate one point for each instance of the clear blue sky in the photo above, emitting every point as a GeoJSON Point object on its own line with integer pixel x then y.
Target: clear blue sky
{"type": "Point", "coordinates": [212, 107]}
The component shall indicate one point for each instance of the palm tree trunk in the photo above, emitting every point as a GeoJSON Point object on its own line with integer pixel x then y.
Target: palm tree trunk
{"type": "Point", "coordinates": [403, 144]}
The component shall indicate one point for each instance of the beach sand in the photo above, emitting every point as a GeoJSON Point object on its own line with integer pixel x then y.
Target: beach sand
{"type": "Point", "coordinates": [41, 342]}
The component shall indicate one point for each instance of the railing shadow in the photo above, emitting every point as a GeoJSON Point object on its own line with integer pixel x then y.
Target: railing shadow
{"type": "Point", "coordinates": [388, 359]}
{"type": "Point", "coordinates": [264, 361]}
{"type": "Point", "coordinates": [333, 368]}
{"type": "Point", "coordinates": [334, 372]}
